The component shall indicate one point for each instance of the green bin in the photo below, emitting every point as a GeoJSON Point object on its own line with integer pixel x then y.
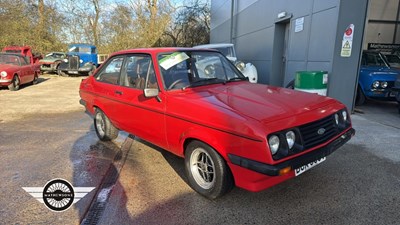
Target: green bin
{"type": "Point", "coordinates": [311, 81]}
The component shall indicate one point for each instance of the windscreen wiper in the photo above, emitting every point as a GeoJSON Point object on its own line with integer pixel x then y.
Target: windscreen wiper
{"type": "Point", "coordinates": [237, 78]}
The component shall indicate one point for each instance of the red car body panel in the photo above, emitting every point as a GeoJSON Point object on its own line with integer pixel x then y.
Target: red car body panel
{"type": "Point", "coordinates": [25, 72]}
{"type": "Point", "coordinates": [234, 118]}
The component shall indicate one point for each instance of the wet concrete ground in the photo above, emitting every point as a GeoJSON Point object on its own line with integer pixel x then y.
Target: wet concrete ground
{"type": "Point", "coordinates": [358, 184]}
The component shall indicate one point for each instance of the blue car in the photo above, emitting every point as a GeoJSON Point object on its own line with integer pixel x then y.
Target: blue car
{"type": "Point", "coordinates": [376, 79]}
{"type": "Point", "coordinates": [81, 60]}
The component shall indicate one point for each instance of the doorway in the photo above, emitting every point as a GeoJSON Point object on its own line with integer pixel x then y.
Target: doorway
{"type": "Point", "coordinates": [280, 52]}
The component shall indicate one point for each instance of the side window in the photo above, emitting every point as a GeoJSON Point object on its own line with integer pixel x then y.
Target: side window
{"type": "Point", "coordinates": [110, 73]}
{"type": "Point", "coordinates": [139, 72]}
{"type": "Point", "coordinates": [151, 79]}
{"type": "Point", "coordinates": [23, 61]}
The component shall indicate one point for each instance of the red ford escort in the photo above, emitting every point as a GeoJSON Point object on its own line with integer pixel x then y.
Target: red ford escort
{"type": "Point", "coordinates": [197, 105]}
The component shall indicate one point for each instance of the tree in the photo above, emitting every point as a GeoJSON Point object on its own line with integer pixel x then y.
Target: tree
{"type": "Point", "coordinates": [138, 24]}
{"type": "Point", "coordinates": [191, 26]}
{"type": "Point", "coordinates": [29, 23]}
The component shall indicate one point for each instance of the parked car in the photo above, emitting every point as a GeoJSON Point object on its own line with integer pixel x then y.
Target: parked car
{"type": "Point", "coordinates": [81, 60]}
{"type": "Point", "coordinates": [376, 78]}
{"type": "Point", "coordinates": [15, 70]}
{"type": "Point", "coordinates": [51, 61]}
{"type": "Point", "coordinates": [229, 131]}
{"type": "Point", "coordinates": [228, 49]}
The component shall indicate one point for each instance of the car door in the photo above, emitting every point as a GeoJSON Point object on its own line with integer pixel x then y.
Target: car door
{"type": "Point", "coordinates": [25, 70]}
{"type": "Point", "coordinates": [141, 116]}
{"type": "Point", "coordinates": [106, 89]}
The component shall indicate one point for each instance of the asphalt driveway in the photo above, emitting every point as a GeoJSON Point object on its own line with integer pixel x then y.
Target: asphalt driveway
{"type": "Point", "coordinates": [137, 183]}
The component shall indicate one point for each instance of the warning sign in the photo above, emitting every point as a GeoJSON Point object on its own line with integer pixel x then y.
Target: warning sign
{"type": "Point", "coordinates": [347, 41]}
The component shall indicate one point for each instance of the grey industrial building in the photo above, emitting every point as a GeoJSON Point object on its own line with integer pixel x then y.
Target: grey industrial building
{"type": "Point", "coordinates": [281, 37]}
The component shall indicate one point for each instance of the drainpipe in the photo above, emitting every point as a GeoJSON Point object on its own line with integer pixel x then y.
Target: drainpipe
{"type": "Point", "coordinates": [232, 7]}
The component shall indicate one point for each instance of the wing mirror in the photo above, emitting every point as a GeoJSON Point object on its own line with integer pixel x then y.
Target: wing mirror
{"type": "Point", "coordinates": [151, 92]}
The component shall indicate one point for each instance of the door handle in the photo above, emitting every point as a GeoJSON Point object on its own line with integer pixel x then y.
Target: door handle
{"type": "Point", "coordinates": [118, 92]}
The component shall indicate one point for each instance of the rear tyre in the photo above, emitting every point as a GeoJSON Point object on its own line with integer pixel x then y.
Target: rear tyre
{"type": "Point", "coordinates": [103, 126]}
{"type": "Point", "coordinates": [207, 171]}
{"type": "Point", "coordinates": [15, 84]}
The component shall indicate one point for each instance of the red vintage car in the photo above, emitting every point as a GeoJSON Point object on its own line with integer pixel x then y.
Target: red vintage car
{"type": "Point", "coordinates": [15, 70]}
{"type": "Point", "coordinates": [197, 105]}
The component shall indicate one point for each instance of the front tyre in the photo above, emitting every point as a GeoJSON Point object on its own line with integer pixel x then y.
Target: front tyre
{"type": "Point", "coordinates": [62, 73]}
{"type": "Point", "coordinates": [15, 83]}
{"type": "Point", "coordinates": [207, 171]}
{"type": "Point", "coordinates": [103, 126]}
{"type": "Point", "coordinates": [360, 97]}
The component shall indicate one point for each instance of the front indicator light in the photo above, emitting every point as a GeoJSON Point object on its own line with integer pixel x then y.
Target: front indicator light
{"type": "Point", "coordinates": [290, 138]}
{"type": "Point", "coordinates": [273, 142]}
{"type": "Point", "coordinates": [285, 170]}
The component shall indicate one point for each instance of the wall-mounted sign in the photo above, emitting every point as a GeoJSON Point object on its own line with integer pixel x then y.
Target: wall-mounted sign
{"type": "Point", "coordinates": [347, 41]}
{"type": "Point", "coordinates": [299, 24]}
{"type": "Point", "coordinates": [384, 47]}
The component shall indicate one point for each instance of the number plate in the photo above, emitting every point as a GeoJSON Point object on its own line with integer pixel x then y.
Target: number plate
{"type": "Point", "coordinates": [306, 167]}
{"type": "Point", "coordinates": [392, 94]}
{"type": "Point", "coordinates": [73, 72]}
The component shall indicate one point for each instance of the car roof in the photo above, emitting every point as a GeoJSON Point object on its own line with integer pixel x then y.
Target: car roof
{"type": "Point", "coordinates": [216, 45]}
{"type": "Point", "coordinates": [82, 45]}
{"type": "Point", "coordinates": [156, 50]}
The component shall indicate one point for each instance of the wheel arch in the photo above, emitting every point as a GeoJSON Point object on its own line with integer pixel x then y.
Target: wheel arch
{"type": "Point", "coordinates": [17, 74]}
{"type": "Point", "coordinates": [210, 141]}
{"type": "Point", "coordinates": [230, 174]}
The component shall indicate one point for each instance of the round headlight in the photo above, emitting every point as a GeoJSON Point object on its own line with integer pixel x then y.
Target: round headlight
{"type": "Point", "coordinates": [384, 84]}
{"type": "Point", "coordinates": [3, 74]}
{"type": "Point", "coordinates": [240, 65]}
{"type": "Point", "coordinates": [273, 142]}
{"type": "Point", "coordinates": [337, 119]}
{"type": "Point", "coordinates": [81, 61]}
{"type": "Point", "coordinates": [290, 138]}
{"type": "Point", "coordinates": [65, 60]}
{"type": "Point", "coordinates": [209, 70]}
{"type": "Point", "coordinates": [375, 84]}
{"type": "Point", "coordinates": [344, 115]}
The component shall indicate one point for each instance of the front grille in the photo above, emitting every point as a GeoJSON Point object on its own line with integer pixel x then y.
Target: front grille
{"type": "Point", "coordinates": [390, 84]}
{"type": "Point", "coordinates": [73, 61]}
{"type": "Point", "coordinates": [310, 135]}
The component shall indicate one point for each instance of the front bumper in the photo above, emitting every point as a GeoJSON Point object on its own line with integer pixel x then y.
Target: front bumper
{"type": "Point", "coordinates": [295, 163]}
{"type": "Point", "coordinates": [378, 93]}
{"type": "Point", "coordinates": [48, 67]}
{"type": "Point", "coordinates": [81, 70]}
{"type": "Point", "coordinates": [5, 82]}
